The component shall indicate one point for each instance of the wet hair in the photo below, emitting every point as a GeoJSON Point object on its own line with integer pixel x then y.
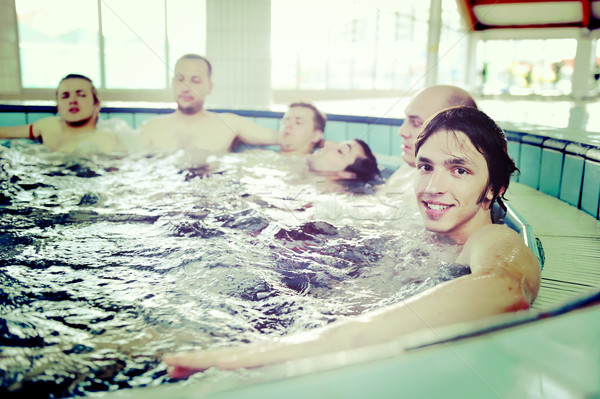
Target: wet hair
{"type": "Point", "coordinates": [365, 168]}
{"type": "Point", "coordinates": [78, 76]}
{"type": "Point", "coordinates": [487, 137]}
{"type": "Point", "coordinates": [191, 56]}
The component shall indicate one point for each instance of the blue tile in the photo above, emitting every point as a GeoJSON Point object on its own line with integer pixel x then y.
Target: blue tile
{"type": "Point", "coordinates": [571, 180]}
{"type": "Point", "coordinates": [140, 118]}
{"type": "Point", "coordinates": [514, 150]}
{"type": "Point", "coordinates": [36, 116]}
{"type": "Point", "coordinates": [380, 139]}
{"type": "Point", "coordinates": [12, 119]}
{"type": "Point", "coordinates": [590, 192]}
{"type": "Point", "coordinates": [529, 161]}
{"type": "Point", "coordinates": [551, 172]}
{"type": "Point", "coordinates": [359, 131]}
{"type": "Point", "coordinates": [335, 131]}
{"type": "Point", "coordinates": [396, 142]}
{"type": "Point", "coordinates": [269, 123]}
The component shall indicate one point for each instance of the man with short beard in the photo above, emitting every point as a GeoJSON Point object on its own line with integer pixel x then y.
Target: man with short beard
{"type": "Point", "coordinates": [193, 128]}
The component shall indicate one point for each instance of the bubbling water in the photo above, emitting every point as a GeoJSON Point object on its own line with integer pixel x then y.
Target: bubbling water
{"type": "Point", "coordinates": [107, 262]}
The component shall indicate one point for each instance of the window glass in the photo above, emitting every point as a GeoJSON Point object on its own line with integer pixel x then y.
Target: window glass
{"type": "Point", "coordinates": [134, 44]}
{"type": "Point", "coordinates": [57, 40]}
{"type": "Point", "coordinates": [523, 67]}
{"type": "Point", "coordinates": [360, 45]}
{"type": "Point", "coordinates": [186, 29]}
{"type": "Point", "coordinates": [453, 46]}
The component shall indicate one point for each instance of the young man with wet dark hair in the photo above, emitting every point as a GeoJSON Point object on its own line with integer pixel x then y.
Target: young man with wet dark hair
{"type": "Point", "coordinates": [78, 108]}
{"type": "Point", "coordinates": [462, 168]}
{"type": "Point", "coordinates": [347, 160]}
{"type": "Point", "coordinates": [364, 168]}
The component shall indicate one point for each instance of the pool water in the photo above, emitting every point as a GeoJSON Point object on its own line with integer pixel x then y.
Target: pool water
{"type": "Point", "coordinates": [109, 261]}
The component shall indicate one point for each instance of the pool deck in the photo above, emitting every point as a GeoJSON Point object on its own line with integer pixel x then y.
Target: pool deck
{"type": "Point", "coordinates": [571, 243]}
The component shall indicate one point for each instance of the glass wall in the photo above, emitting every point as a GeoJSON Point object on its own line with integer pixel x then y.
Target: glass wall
{"type": "Point", "coordinates": [135, 48]}
{"type": "Point", "coordinates": [524, 67]}
{"type": "Point", "coordinates": [57, 40]}
{"type": "Point", "coordinates": [316, 45]}
{"type": "Point", "coordinates": [361, 45]}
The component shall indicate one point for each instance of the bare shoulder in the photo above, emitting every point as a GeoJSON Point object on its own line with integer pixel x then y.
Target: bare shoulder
{"type": "Point", "coordinates": [231, 119]}
{"type": "Point", "coordinates": [51, 129]}
{"type": "Point", "coordinates": [155, 122]}
{"type": "Point", "coordinates": [499, 249]}
{"type": "Point", "coordinates": [50, 123]}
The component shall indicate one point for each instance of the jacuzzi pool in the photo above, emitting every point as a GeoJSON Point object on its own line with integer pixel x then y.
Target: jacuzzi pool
{"type": "Point", "coordinates": [105, 261]}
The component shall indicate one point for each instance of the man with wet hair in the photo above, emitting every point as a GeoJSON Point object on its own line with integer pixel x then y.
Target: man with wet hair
{"type": "Point", "coordinates": [462, 168]}
{"type": "Point", "coordinates": [75, 127]}
{"type": "Point", "coordinates": [302, 129]}
{"type": "Point", "coordinates": [347, 160]}
{"type": "Point", "coordinates": [423, 105]}
{"type": "Point", "coordinates": [192, 127]}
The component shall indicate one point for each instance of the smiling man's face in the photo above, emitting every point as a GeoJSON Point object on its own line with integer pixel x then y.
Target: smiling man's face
{"type": "Point", "coordinates": [451, 177]}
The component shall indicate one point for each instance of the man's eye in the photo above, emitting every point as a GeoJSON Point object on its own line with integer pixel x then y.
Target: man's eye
{"type": "Point", "coordinates": [424, 168]}
{"type": "Point", "coordinates": [461, 171]}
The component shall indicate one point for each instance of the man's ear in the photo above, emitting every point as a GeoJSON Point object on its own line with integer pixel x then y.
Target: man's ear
{"type": "Point", "coordinates": [316, 136]}
{"type": "Point", "coordinates": [490, 194]}
{"type": "Point", "coordinates": [345, 175]}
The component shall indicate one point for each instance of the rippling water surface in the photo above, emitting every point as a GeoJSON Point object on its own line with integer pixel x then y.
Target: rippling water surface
{"type": "Point", "coordinates": [107, 262]}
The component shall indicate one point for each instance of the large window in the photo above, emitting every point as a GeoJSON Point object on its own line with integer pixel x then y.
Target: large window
{"type": "Point", "coordinates": [360, 45]}
{"type": "Point", "coordinates": [119, 44]}
{"type": "Point", "coordinates": [57, 38]}
{"type": "Point", "coordinates": [524, 67]}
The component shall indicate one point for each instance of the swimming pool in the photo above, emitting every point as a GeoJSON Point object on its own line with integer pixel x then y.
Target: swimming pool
{"type": "Point", "coordinates": [109, 261]}
{"type": "Point", "coordinates": [87, 226]}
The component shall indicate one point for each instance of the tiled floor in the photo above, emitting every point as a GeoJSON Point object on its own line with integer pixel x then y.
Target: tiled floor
{"type": "Point", "coordinates": [571, 243]}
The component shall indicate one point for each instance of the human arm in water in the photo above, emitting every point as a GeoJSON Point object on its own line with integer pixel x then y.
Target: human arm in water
{"type": "Point", "coordinates": [18, 132]}
{"type": "Point", "coordinates": [505, 277]}
{"type": "Point", "coordinates": [48, 127]}
{"type": "Point", "coordinates": [250, 132]}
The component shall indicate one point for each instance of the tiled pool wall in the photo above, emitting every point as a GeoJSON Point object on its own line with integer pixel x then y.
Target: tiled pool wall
{"type": "Point", "coordinates": [569, 171]}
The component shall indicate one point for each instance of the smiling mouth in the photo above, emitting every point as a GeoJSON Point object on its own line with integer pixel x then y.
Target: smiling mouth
{"type": "Point", "coordinates": [435, 211]}
{"type": "Point", "coordinates": [436, 207]}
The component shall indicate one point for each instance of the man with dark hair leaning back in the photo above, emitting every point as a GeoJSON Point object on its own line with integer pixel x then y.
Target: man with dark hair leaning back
{"type": "Point", "coordinates": [463, 168]}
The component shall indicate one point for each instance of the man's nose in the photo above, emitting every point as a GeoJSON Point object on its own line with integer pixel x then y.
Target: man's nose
{"type": "Point", "coordinates": [404, 131]}
{"type": "Point", "coordinates": [437, 183]}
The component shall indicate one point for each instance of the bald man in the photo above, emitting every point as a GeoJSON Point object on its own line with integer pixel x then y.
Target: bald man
{"type": "Point", "coordinates": [423, 106]}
